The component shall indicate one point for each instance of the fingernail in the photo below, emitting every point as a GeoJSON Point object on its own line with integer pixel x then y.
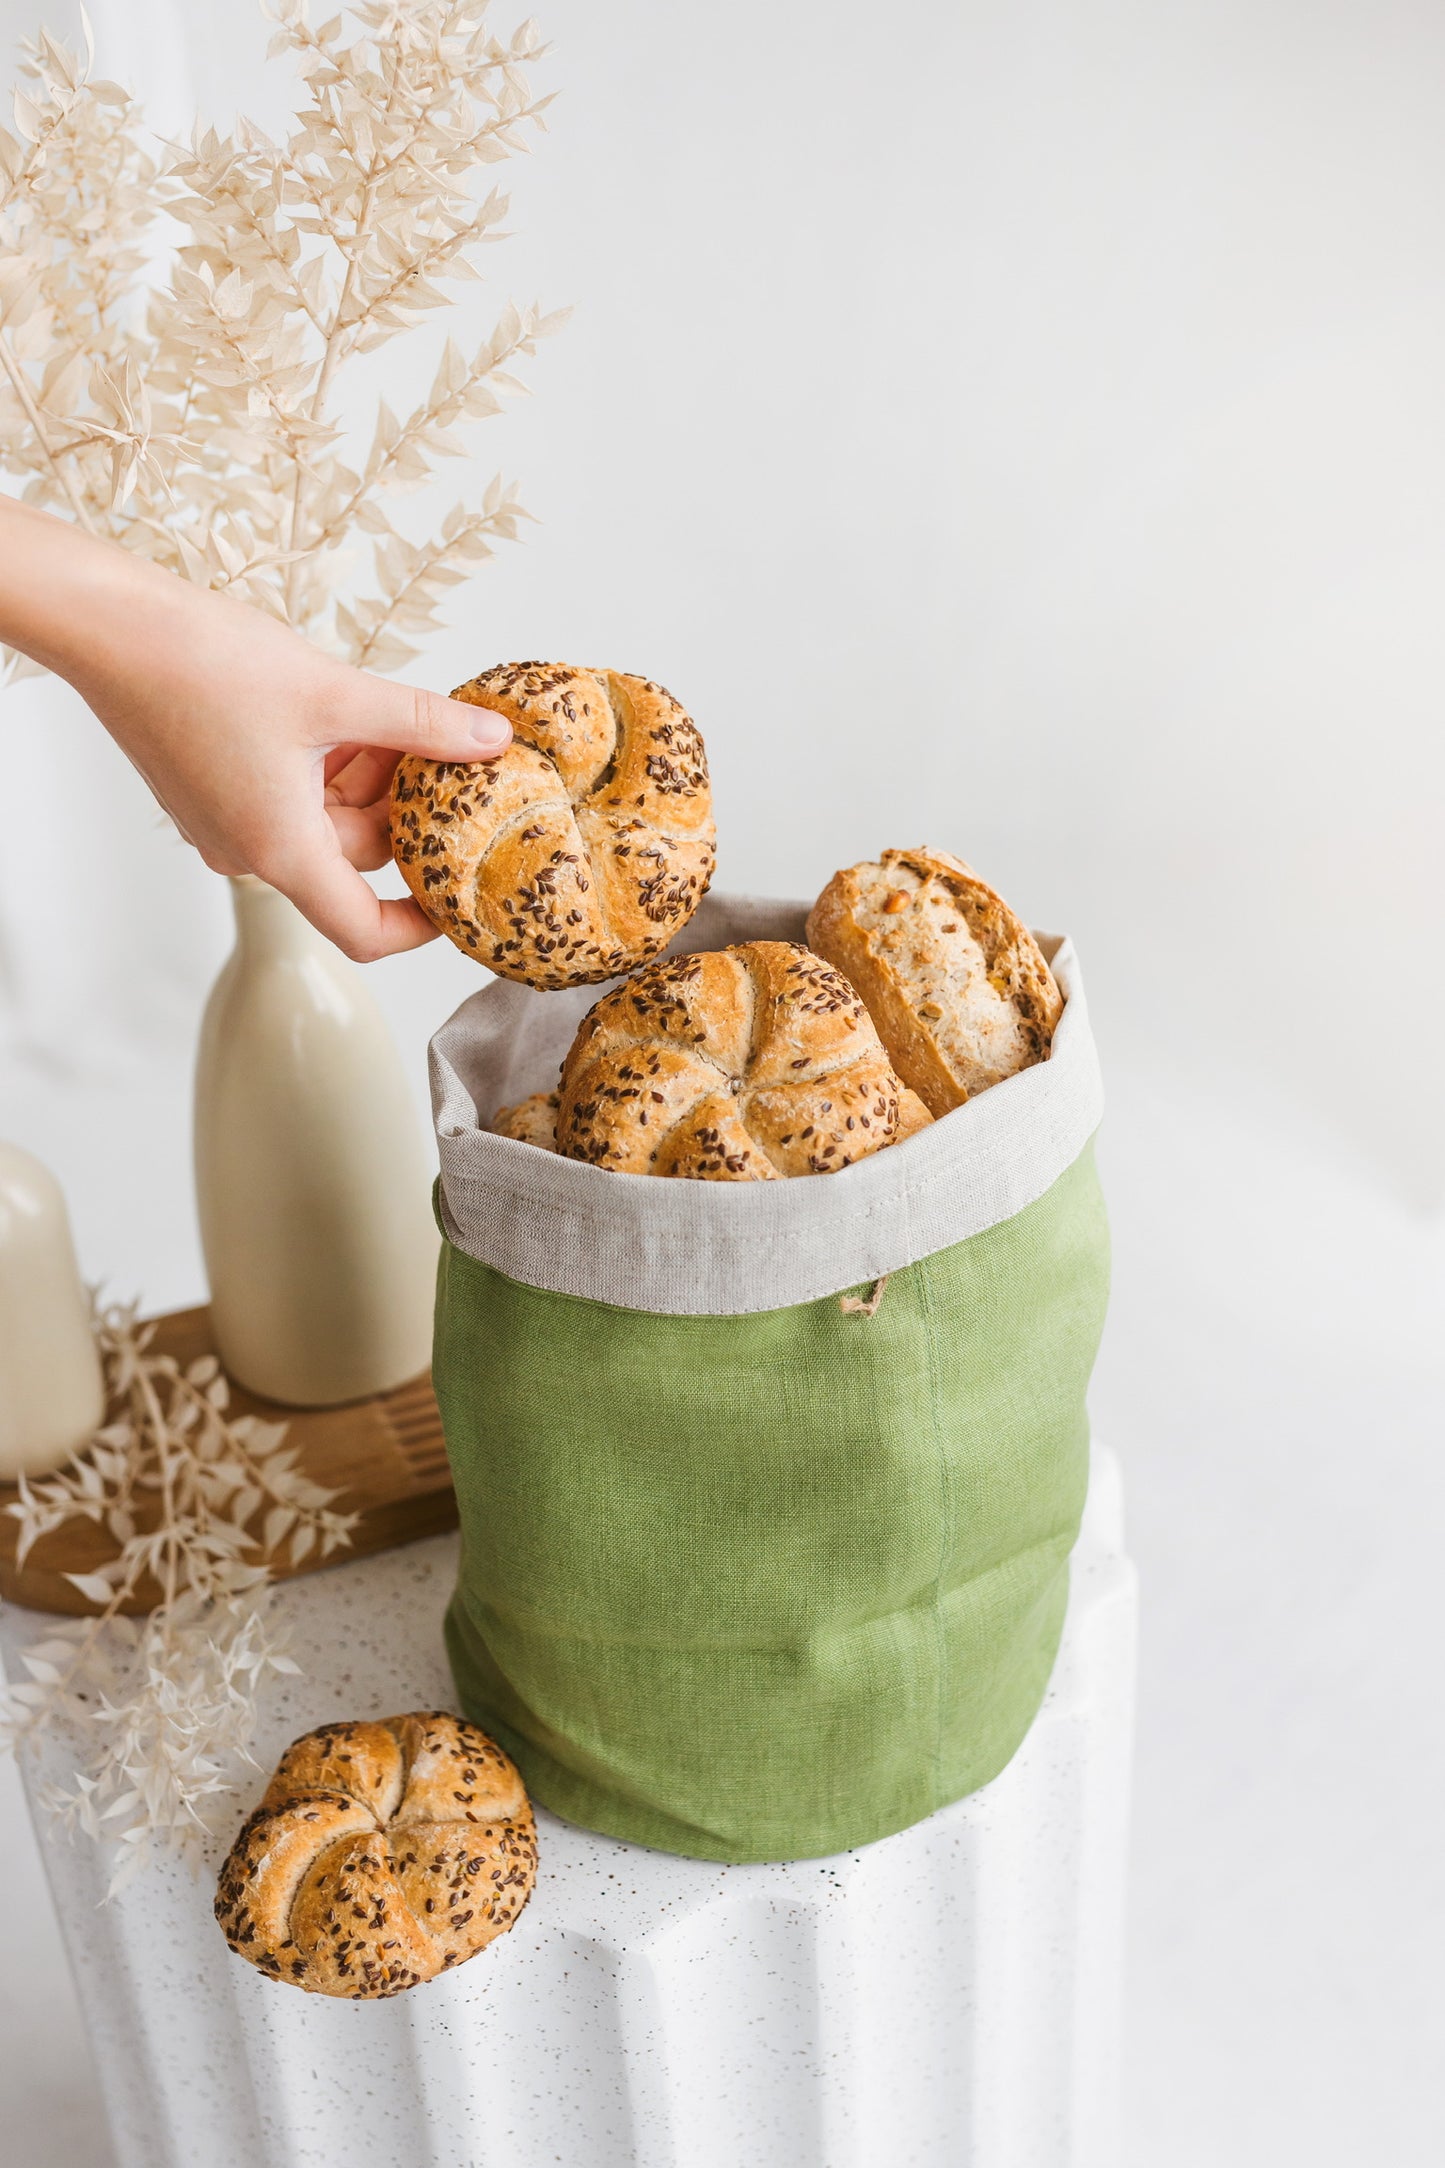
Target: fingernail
{"type": "Point", "coordinates": [491, 733]}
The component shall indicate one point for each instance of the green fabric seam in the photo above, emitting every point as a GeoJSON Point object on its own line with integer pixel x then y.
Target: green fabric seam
{"type": "Point", "coordinates": [945, 1534]}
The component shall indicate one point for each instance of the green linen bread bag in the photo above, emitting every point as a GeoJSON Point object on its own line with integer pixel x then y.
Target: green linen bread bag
{"type": "Point", "coordinates": [749, 1573]}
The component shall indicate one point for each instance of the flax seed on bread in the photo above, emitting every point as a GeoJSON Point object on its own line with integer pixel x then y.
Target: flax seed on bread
{"type": "Point", "coordinates": [913, 1115]}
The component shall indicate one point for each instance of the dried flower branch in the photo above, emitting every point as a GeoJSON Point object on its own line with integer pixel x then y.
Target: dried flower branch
{"type": "Point", "coordinates": [188, 409]}
{"type": "Point", "coordinates": [180, 1486]}
{"type": "Point", "coordinates": [194, 417]}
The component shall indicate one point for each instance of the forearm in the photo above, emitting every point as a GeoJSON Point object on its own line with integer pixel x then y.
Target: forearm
{"type": "Point", "coordinates": [272, 757]}
{"type": "Point", "coordinates": [65, 594]}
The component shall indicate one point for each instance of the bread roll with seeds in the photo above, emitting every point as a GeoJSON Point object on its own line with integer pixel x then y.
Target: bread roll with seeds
{"type": "Point", "coordinates": [738, 1065]}
{"type": "Point", "coordinates": [584, 849]}
{"type": "Point", "coordinates": [530, 1121]}
{"type": "Point", "coordinates": [957, 985]}
{"type": "Point", "coordinates": [913, 1115]}
{"type": "Point", "coordinates": [381, 1854]}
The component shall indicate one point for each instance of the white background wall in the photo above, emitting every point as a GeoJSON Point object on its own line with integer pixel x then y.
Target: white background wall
{"type": "Point", "coordinates": [1021, 427]}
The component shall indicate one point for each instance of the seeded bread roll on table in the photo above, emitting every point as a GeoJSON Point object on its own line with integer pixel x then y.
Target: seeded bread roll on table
{"type": "Point", "coordinates": [738, 1065]}
{"type": "Point", "coordinates": [381, 1854]}
{"type": "Point", "coordinates": [956, 984]}
{"type": "Point", "coordinates": [582, 850]}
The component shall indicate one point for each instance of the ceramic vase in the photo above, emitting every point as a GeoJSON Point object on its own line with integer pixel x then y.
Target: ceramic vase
{"type": "Point", "coordinates": [312, 1180]}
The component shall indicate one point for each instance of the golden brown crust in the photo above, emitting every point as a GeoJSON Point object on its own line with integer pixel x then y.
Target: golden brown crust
{"type": "Point", "coordinates": [381, 1854]}
{"type": "Point", "coordinates": [360, 1761]}
{"type": "Point", "coordinates": [584, 849]}
{"type": "Point", "coordinates": [956, 984]}
{"type": "Point", "coordinates": [737, 1065]}
{"type": "Point", "coordinates": [530, 1121]}
{"type": "Point", "coordinates": [913, 1115]}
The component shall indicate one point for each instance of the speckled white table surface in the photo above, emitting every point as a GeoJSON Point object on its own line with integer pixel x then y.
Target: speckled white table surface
{"type": "Point", "coordinates": [946, 1997]}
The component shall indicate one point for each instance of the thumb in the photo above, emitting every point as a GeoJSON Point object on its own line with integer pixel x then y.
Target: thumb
{"type": "Point", "coordinates": [410, 719]}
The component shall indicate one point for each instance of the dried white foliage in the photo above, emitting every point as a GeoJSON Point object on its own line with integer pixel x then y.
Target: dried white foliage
{"type": "Point", "coordinates": [200, 1504]}
{"type": "Point", "coordinates": [198, 417]}
{"type": "Point", "coordinates": [190, 403]}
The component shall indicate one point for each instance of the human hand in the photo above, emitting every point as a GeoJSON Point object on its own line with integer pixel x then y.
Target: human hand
{"type": "Point", "coordinates": [271, 757]}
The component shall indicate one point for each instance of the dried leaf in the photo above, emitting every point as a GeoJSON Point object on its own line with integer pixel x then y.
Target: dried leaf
{"type": "Point", "coordinates": [278, 1523]}
{"type": "Point", "coordinates": [95, 1587]}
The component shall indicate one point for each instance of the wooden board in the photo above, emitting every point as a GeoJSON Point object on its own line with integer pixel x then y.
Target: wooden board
{"type": "Point", "coordinates": [385, 1458]}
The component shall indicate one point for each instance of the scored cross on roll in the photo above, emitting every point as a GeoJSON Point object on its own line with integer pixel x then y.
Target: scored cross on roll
{"type": "Point", "coordinates": [381, 1854]}
{"type": "Point", "coordinates": [735, 1065]}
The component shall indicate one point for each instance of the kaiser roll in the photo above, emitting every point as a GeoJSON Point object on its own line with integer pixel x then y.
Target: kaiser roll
{"type": "Point", "coordinates": [957, 985]}
{"type": "Point", "coordinates": [381, 1854]}
{"type": "Point", "coordinates": [584, 848]}
{"type": "Point", "coordinates": [530, 1121]}
{"type": "Point", "coordinates": [737, 1065]}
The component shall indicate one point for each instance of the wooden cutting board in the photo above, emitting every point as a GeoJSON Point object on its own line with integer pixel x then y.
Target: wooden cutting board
{"type": "Point", "coordinates": [385, 1458]}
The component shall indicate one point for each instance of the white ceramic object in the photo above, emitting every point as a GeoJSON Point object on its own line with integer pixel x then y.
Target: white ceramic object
{"type": "Point", "coordinates": [52, 1396]}
{"type": "Point", "coordinates": [948, 1998]}
{"type": "Point", "coordinates": [312, 1179]}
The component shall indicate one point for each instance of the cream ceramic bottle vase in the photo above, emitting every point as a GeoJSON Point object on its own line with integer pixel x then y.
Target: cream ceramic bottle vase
{"type": "Point", "coordinates": [312, 1183]}
{"type": "Point", "coordinates": [51, 1395]}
